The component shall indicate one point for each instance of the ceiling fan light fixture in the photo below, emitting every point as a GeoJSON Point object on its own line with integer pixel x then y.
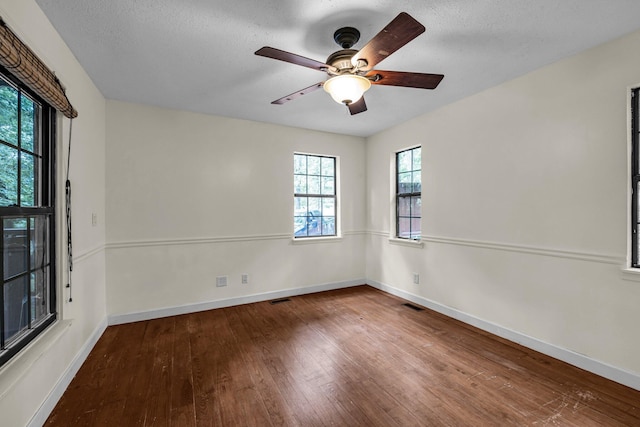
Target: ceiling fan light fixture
{"type": "Point", "coordinates": [347, 88]}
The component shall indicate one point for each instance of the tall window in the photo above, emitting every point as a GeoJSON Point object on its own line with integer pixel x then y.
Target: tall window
{"type": "Point", "coordinates": [27, 295]}
{"type": "Point", "coordinates": [635, 176]}
{"type": "Point", "coordinates": [408, 193]}
{"type": "Point", "coordinates": [314, 195]}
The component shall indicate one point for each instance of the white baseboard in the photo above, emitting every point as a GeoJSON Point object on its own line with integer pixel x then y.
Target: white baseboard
{"type": "Point", "coordinates": [41, 415]}
{"type": "Point", "coordinates": [229, 302]}
{"type": "Point", "coordinates": [613, 373]}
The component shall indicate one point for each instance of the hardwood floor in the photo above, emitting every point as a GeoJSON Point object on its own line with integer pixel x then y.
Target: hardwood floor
{"type": "Point", "coordinates": [353, 357]}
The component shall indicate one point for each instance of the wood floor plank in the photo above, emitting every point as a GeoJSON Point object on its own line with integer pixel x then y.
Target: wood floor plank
{"type": "Point", "coordinates": [353, 357]}
{"type": "Point", "coordinates": [214, 401]}
{"type": "Point", "coordinates": [182, 399]}
{"type": "Point", "coordinates": [136, 373]}
{"type": "Point", "coordinates": [158, 396]}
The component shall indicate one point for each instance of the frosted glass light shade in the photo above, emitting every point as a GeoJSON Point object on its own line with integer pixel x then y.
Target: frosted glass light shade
{"type": "Point", "coordinates": [347, 88]}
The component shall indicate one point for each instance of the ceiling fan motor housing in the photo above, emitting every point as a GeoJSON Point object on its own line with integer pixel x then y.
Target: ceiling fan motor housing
{"type": "Point", "coordinates": [342, 59]}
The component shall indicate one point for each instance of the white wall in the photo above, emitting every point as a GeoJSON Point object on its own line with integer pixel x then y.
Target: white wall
{"type": "Point", "coordinates": [191, 197]}
{"type": "Point", "coordinates": [524, 207]}
{"type": "Point", "coordinates": [38, 375]}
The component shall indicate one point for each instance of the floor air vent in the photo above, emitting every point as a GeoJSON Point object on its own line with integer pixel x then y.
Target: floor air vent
{"type": "Point", "coordinates": [279, 301]}
{"type": "Point", "coordinates": [413, 307]}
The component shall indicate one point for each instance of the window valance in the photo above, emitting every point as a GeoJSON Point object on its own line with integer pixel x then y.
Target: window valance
{"type": "Point", "coordinates": [20, 60]}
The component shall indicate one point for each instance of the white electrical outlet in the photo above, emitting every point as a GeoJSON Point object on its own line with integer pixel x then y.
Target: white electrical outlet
{"type": "Point", "coordinates": [245, 279]}
{"type": "Point", "coordinates": [221, 281]}
{"type": "Point", "coordinates": [416, 278]}
{"type": "Point", "coordinates": [94, 219]}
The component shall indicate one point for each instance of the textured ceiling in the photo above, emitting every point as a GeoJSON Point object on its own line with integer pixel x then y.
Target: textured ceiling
{"type": "Point", "coordinates": [198, 55]}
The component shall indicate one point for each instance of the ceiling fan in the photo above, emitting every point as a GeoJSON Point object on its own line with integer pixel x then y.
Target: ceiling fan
{"type": "Point", "coordinates": [351, 71]}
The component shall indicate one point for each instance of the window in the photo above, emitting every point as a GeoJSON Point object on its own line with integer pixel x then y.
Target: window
{"type": "Point", "coordinates": [314, 191]}
{"type": "Point", "coordinates": [635, 176]}
{"type": "Point", "coordinates": [408, 193]}
{"type": "Point", "coordinates": [27, 272]}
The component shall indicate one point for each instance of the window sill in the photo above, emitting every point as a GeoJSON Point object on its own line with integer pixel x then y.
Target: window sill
{"type": "Point", "coordinates": [631, 274]}
{"type": "Point", "coordinates": [406, 242]}
{"type": "Point", "coordinates": [311, 240]}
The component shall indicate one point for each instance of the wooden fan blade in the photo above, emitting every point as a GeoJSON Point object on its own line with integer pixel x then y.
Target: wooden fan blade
{"type": "Point", "coordinates": [401, 78]}
{"type": "Point", "coordinates": [396, 34]}
{"type": "Point", "coordinates": [357, 107]}
{"type": "Point", "coordinates": [270, 52]}
{"type": "Point", "coordinates": [298, 94]}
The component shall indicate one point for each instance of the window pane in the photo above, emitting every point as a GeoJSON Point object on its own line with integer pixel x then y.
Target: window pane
{"type": "Point", "coordinates": [328, 225]}
{"type": "Point", "coordinates": [314, 185]}
{"type": "Point", "coordinates": [416, 206]}
{"type": "Point", "coordinates": [16, 310]}
{"type": "Point", "coordinates": [314, 216]}
{"type": "Point", "coordinates": [299, 164]}
{"type": "Point", "coordinates": [28, 180]}
{"type": "Point", "coordinates": [415, 228]}
{"type": "Point", "coordinates": [416, 178]}
{"type": "Point", "coordinates": [39, 237]}
{"type": "Point", "coordinates": [404, 161]}
{"type": "Point", "coordinates": [39, 295]}
{"type": "Point", "coordinates": [417, 159]}
{"type": "Point", "coordinates": [328, 168]}
{"type": "Point", "coordinates": [15, 247]}
{"type": "Point", "coordinates": [328, 185]}
{"type": "Point", "coordinates": [299, 184]}
{"type": "Point", "coordinates": [404, 228]}
{"type": "Point", "coordinates": [27, 123]}
{"type": "Point", "coordinates": [328, 207]}
{"type": "Point", "coordinates": [300, 225]}
{"type": "Point", "coordinates": [300, 206]}
{"type": "Point", "coordinates": [404, 206]}
{"type": "Point", "coordinates": [8, 176]}
{"type": "Point", "coordinates": [404, 183]}
{"type": "Point", "coordinates": [314, 228]}
{"type": "Point", "coordinates": [313, 165]}
{"type": "Point", "coordinates": [8, 113]}
{"type": "Point", "coordinates": [315, 204]}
